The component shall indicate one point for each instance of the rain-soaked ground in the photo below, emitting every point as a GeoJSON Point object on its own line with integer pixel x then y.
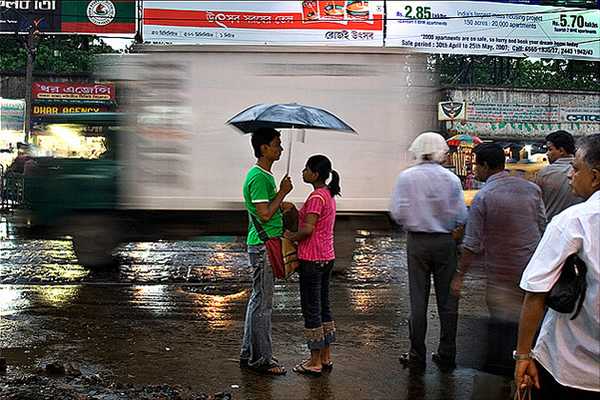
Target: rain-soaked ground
{"type": "Point", "coordinates": [172, 313]}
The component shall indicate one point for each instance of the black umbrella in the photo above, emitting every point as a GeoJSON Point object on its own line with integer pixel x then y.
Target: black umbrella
{"type": "Point", "coordinates": [290, 116]}
{"type": "Point", "coordinates": [287, 116]}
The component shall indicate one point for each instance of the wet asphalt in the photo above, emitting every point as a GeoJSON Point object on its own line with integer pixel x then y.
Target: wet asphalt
{"type": "Point", "coordinates": [173, 312]}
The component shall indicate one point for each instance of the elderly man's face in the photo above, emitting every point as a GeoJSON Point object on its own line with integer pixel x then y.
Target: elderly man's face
{"type": "Point", "coordinates": [584, 181]}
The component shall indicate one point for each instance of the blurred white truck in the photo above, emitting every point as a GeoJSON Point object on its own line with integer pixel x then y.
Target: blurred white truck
{"type": "Point", "coordinates": [180, 168]}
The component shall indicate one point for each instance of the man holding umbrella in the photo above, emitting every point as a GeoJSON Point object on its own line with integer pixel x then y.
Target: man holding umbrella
{"type": "Point", "coordinates": [263, 202]}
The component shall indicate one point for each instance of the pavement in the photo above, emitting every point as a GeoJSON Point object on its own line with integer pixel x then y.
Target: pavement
{"type": "Point", "coordinates": [173, 314]}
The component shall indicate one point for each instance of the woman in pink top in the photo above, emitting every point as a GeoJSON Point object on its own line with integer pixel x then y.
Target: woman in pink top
{"type": "Point", "coordinates": [315, 251]}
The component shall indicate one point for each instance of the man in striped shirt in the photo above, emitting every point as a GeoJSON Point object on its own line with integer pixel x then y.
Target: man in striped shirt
{"type": "Point", "coordinates": [505, 223]}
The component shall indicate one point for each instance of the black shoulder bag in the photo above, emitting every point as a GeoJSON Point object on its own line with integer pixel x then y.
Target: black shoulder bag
{"type": "Point", "coordinates": [570, 288]}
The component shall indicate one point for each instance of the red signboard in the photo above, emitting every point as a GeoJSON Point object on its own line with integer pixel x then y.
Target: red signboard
{"type": "Point", "coordinates": [73, 92]}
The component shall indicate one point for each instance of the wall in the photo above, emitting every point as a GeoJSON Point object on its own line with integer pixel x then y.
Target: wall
{"type": "Point", "coordinates": [529, 113]}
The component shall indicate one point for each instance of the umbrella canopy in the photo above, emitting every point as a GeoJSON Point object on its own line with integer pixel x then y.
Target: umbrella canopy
{"type": "Point", "coordinates": [287, 116]}
{"type": "Point", "coordinates": [466, 138]}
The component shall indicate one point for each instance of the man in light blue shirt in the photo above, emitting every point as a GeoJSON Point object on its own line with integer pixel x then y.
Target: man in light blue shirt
{"type": "Point", "coordinates": [428, 202]}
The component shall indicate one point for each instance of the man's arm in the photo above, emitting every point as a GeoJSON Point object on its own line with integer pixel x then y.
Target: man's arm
{"type": "Point", "coordinates": [532, 312]}
{"type": "Point", "coordinates": [398, 202]}
{"type": "Point", "coordinates": [542, 220]}
{"type": "Point", "coordinates": [466, 259]}
{"type": "Point", "coordinates": [266, 210]}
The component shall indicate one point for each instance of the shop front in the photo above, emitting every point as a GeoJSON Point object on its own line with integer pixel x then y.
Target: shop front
{"type": "Point", "coordinates": [69, 140]}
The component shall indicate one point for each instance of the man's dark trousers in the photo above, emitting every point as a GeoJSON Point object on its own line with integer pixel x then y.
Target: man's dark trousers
{"type": "Point", "coordinates": [432, 254]}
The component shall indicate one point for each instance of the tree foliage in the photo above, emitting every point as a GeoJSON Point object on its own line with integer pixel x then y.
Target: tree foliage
{"type": "Point", "coordinates": [52, 52]}
{"type": "Point", "coordinates": [515, 72]}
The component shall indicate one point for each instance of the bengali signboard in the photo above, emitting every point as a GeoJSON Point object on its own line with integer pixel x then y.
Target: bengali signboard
{"type": "Point", "coordinates": [12, 116]}
{"type": "Point", "coordinates": [350, 23]}
{"type": "Point", "coordinates": [495, 28]}
{"type": "Point", "coordinates": [485, 112]}
{"type": "Point", "coordinates": [55, 16]}
{"type": "Point", "coordinates": [73, 93]}
{"type": "Point", "coordinates": [534, 113]}
{"type": "Point", "coordinates": [569, 113]}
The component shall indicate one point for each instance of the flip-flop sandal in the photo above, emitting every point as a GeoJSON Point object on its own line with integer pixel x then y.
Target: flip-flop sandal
{"type": "Point", "coordinates": [327, 366]}
{"type": "Point", "coordinates": [301, 370]}
{"type": "Point", "coordinates": [269, 369]}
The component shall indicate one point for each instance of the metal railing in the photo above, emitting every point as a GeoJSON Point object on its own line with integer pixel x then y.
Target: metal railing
{"type": "Point", "coordinates": [12, 195]}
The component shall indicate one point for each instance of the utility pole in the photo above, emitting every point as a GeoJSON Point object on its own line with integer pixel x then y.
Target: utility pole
{"type": "Point", "coordinates": [29, 78]}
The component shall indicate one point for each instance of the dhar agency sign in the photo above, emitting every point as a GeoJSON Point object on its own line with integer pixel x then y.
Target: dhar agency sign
{"type": "Point", "coordinates": [94, 17]}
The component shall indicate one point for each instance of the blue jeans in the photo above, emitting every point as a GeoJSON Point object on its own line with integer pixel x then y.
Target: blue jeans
{"type": "Point", "coordinates": [314, 300]}
{"type": "Point", "coordinates": [256, 345]}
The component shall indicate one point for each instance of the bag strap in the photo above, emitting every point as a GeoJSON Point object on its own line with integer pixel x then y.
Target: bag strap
{"type": "Point", "coordinates": [262, 234]}
{"type": "Point", "coordinates": [580, 270]}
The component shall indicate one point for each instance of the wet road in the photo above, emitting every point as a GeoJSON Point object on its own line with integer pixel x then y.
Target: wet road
{"type": "Point", "coordinates": [172, 312]}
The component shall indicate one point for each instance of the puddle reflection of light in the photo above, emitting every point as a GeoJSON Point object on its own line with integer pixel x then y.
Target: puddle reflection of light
{"type": "Point", "coordinates": [151, 297]}
{"type": "Point", "coordinates": [11, 300]}
{"type": "Point", "coordinates": [141, 251]}
{"type": "Point", "coordinates": [58, 295]}
{"type": "Point", "coordinates": [363, 300]}
{"type": "Point", "coordinates": [215, 308]}
{"type": "Point", "coordinates": [3, 229]}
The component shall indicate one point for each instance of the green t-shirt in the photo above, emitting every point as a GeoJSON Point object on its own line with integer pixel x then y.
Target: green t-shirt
{"type": "Point", "coordinates": [260, 187]}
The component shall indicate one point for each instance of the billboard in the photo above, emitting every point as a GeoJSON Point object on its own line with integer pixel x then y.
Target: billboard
{"type": "Point", "coordinates": [55, 16]}
{"type": "Point", "coordinates": [524, 29]}
{"type": "Point", "coordinates": [350, 23]}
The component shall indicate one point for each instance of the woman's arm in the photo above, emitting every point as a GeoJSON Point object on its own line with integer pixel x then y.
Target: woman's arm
{"type": "Point", "coordinates": [307, 229]}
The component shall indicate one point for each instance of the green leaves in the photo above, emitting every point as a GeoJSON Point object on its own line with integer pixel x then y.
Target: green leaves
{"type": "Point", "coordinates": [514, 72]}
{"type": "Point", "coordinates": [52, 53]}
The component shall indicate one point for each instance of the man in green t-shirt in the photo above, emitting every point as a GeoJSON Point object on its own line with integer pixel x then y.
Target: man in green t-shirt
{"type": "Point", "coordinates": [263, 201]}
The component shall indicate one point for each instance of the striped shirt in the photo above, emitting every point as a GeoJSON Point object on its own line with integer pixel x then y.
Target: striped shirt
{"type": "Point", "coordinates": [505, 222]}
{"type": "Point", "coordinates": [319, 245]}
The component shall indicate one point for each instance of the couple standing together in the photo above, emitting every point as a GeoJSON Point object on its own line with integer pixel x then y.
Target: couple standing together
{"type": "Point", "coordinates": [315, 251]}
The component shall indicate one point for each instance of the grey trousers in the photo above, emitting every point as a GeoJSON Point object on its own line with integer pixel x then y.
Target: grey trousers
{"type": "Point", "coordinates": [432, 254]}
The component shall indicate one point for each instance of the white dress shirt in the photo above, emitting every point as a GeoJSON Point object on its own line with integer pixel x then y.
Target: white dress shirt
{"type": "Point", "coordinates": [570, 350]}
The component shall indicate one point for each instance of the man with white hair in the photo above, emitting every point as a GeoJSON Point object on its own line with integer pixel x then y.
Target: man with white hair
{"type": "Point", "coordinates": [428, 202]}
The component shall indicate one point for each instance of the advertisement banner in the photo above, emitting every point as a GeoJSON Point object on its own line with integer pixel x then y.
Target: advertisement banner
{"type": "Point", "coordinates": [350, 23]}
{"type": "Point", "coordinates": [495, 29]}
{"type": "Point", "coordinates": [70, 92]}
{"type": "Point", "coordinates": [55, 16]}
{"type": "Point", "coordinates": [12, 116]}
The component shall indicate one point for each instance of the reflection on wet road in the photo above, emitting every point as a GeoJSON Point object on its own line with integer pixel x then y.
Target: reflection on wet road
{"type": "Point", "coordinates": [173, 312]}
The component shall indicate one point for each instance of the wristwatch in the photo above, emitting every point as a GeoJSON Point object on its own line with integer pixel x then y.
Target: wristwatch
{"type": "Point", "coordinates": [521, 356]}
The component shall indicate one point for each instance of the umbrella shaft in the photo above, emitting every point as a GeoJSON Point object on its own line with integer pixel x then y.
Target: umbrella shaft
{"type": "Point", "coordinates": [289, 160]}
